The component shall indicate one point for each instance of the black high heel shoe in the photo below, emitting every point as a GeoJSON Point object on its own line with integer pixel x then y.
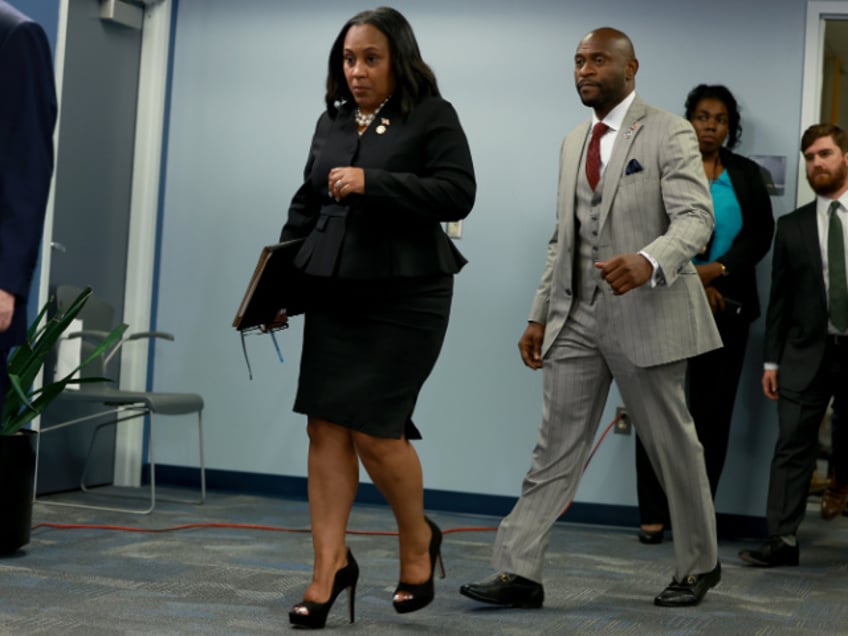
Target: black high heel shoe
{"type": "Point", "coordinates": [314, 615]}
{"type": "Point", "coordinates": [420, 595]}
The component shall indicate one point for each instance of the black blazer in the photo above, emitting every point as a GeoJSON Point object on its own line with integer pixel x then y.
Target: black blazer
{"type": "Point", "coordinates": [418, 173]}
{"type": "Point", "coordinates": [796, 319]}
{"type": "Point", "coordinates": [27, 117]}
{"type": "Point", "coordinates": [754, 239]}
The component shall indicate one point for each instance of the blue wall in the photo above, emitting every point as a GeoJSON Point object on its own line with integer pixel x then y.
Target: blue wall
{"type": "Point", "coordinates": [45, 12]}
{"type": "Point", "coordinates": [247, 89]}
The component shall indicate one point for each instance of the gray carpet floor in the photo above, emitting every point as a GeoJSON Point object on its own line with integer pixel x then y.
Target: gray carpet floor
{"type": "Point", "coordinates": [218, 580]}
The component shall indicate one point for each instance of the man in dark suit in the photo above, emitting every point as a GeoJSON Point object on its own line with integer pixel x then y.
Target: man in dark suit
{"type": "Point", "coordinates": [27, 118]}
{"type": "Point", "coordinates": [619, 298]}
{"type": "Point", "coordinates": [806, 343]}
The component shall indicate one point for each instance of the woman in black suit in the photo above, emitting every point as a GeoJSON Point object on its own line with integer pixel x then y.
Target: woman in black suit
{"type": "Point", "coordinates": [741, 238]}
{"type": "Point", "coordinates": [389, 162]}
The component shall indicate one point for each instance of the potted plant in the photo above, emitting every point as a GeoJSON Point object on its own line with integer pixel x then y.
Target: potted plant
{"type": "Point", "coordinates": [22, 403]}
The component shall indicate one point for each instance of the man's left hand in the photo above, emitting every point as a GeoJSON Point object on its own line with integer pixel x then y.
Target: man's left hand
{"type": "Point", "coordinates": [7, 309]}
{"type": "Point", "coordinates": [625, 272]}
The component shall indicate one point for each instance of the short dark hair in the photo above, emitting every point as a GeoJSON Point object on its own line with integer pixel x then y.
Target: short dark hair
{"type": "Point", "coordinates": [722, 94]}
{"type": "Point", "coordinates": [414, 80]}
{"type": "Point", "coordinates": [817, 131]}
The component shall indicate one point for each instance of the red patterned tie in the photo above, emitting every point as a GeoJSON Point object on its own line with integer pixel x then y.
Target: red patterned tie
{"type": "Point", "coordinates": [593, 156]}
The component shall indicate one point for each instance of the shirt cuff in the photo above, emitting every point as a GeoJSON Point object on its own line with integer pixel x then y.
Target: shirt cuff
{"type": "Point", "coordinates": [770, 366]}
{"type": "Point", "coordinates": [657, 277]}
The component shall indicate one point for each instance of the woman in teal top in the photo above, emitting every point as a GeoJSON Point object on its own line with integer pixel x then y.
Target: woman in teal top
{"type": "Point", "coordinates": [742, 236]}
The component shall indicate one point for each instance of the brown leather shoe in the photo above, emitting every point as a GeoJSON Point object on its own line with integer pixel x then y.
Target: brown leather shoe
{"type": "Point", "coordinates": [833, 501]}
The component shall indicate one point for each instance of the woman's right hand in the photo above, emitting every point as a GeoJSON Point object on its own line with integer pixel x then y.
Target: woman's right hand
{"type": "Point", "coordinates": [344, 181]}
{"type": "Point", "coordinates": [708, 272]}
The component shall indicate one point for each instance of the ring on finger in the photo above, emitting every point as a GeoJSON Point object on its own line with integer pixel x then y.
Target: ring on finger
{"type": "Point", "coordinates": [339, 184]}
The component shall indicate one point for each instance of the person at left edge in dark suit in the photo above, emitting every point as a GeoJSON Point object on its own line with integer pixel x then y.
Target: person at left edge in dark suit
{"type": "Point", "coordinates": [389, 162]}
{"type": "Point", "coordinates": [27, 118]}
{"type": "Point", "coordinates": [744, 226]}
{"type": "Point", "coordinates": [806, 340]}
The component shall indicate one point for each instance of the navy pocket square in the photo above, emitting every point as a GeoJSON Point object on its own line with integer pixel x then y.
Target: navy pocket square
{"type": "Point", "coordinates": [633, 167]}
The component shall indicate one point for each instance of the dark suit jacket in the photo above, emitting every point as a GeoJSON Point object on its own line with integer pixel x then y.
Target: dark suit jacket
{"type": "Point", "coordinates": [796, 319]}
{"type": "Point", "coordinates": [754, 239]}
{"type": "Point", "coordinates": [418, 173]}
{"type": "Point", "coordinates": [27, 117]}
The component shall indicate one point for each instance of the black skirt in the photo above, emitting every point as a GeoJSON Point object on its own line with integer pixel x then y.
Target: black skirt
{"type": "Point", "coordinates": [368, 347]}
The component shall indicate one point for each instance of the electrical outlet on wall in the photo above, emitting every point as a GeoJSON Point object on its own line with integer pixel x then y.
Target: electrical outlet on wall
{"type": "Point", "coordinates": [622, 425]}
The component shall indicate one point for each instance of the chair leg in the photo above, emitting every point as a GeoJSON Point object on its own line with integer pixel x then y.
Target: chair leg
{"type": "Point", "coordinates": [202, 460]}
{"type": "Point", "coordinates": [152, 461]}
{"type": "Point", "coordinates": [83, 487]}
{"type": "Point", "coordinates": [35, 474]}
{"type": "Point", "coordinates": [151, 454]}
{"type": "Point", "coordinates": [202, 466]}
{"type": "Point", "coordinates": [91, 452]}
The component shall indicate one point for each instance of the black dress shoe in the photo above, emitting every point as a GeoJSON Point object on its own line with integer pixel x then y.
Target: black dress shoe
{"type": "Point", "coordinates": [506, 589]}
{"type": "Point", "coordinates": [690, 590]}
{"type": "Point", "coordinates": [773, 552]}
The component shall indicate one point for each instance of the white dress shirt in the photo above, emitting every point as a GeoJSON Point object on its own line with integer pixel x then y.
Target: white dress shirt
{"type": "Point", "coordinates": [614, 119]}
{"type": "Point", "coordinates": [823, 221]}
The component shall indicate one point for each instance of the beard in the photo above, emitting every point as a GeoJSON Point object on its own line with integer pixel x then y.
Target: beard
{"type": "Point", "coordinates": [825, 183]}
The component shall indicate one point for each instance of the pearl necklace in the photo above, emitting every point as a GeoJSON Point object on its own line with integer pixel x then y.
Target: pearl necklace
{"type": "Point", "coordinates": [363, 121]}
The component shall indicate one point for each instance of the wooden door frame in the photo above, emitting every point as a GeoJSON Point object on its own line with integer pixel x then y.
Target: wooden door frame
{"type": "Point", "coordinates": [818, 12]}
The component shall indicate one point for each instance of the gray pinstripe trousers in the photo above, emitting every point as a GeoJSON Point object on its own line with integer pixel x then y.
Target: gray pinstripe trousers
{"type": "Point", "coordinates": [578, 370]}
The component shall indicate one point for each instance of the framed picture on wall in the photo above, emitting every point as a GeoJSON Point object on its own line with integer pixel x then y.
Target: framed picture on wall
{"type": "Point", "coordinates": [773, 169]}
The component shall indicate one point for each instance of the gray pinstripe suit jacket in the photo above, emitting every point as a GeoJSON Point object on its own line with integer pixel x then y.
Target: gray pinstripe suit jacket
{"type": "Point", "coordinates": [664, 209]}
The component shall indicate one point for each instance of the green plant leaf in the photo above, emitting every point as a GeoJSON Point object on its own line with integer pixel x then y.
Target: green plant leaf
{"type": "Point", "coordinates": [22, 403]}
{"type": "Point", "coordinates": [15, 382]}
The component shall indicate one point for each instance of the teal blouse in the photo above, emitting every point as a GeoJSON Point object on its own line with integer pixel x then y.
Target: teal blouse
{"type": "Point", "coordinates": [728, 218]}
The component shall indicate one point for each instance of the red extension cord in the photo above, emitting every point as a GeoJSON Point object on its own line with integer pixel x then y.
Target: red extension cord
{"type": "Point", "coordinates": [250, 526]}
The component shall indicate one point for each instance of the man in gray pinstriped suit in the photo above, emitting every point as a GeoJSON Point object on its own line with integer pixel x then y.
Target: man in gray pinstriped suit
{"type": "Point", "coordinates": [619, 298]}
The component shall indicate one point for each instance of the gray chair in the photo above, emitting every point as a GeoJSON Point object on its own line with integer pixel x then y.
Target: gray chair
{"type": "Point", "coordinates": [119, 405]}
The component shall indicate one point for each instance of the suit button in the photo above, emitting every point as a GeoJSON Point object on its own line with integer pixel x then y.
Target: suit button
{"type": "Point", "coordinates": [568, 292]}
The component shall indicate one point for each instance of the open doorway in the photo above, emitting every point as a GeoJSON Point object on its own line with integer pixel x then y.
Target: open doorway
{"type": "Point", "coordinates": [825, 88]}
{"type": "Point", "coordinates": [834, 99]}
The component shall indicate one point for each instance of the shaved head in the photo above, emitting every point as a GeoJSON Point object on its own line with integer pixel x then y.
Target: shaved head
{"type": "Point", "coordinates": [614, 39]}
{"type": "Point", "coordinates": [605, 68]}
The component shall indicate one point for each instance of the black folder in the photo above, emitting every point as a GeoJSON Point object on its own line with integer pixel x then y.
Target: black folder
{"type": "Point", "coordinates": [276, 284]}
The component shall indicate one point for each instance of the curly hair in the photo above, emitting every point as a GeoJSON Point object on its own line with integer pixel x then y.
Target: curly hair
{"type": "Point", "coordinates": [414, 80]}
{"type": "Point", "coordinates": [722, 94]}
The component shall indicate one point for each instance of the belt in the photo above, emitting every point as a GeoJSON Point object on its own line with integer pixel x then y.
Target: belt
{"type": "Point", "coordinates": [837, 341]}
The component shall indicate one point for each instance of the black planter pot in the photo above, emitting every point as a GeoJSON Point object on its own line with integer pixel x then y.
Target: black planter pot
{"type": "Point", "coordinates": [17, 472]}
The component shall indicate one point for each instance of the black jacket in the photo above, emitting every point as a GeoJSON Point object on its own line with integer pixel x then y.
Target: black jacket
{"type": "Point", "coordinates": [418, 173]}
{"type": "Point", "coordinates": [27, 117]}
{"type": "Point", "coordinates": [796, 320]}
{"type": "Point", "coordinates": [754, 239]}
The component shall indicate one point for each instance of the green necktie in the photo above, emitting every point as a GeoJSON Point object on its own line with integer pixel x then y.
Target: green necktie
{"type": "Point", "coordinates": [836, 271]}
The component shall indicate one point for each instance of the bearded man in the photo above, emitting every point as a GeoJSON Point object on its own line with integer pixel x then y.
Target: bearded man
{"type": "Point", "coordinates": [806, 342]}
